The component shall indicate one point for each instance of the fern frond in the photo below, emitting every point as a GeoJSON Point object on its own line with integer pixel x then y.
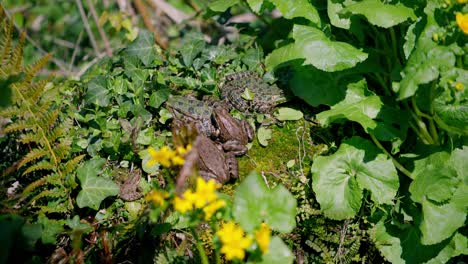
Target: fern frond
{"type": "Point", "coordinates": [41, 165]}
{"type": "Point", "coordinates": [33, 185]}
{"type": "Point", "coordinates": [71, 164]}
{"type": "Point", "coordinates": [6, 43]}
{"type": "Point", "coordinates": [17, 126]}
{"type": "Point", "coordinates": [17, 57]}
{"type": "Point", "coordinates": [29, 138]}
{"type": "Point", "coordinates": [62, 150]}
{"type": "Point", "coordinates": [31, 71]}
{"type": "Point", "coordinates": [37, 89]}
{"type": "Point", "coordinates": [49, 119]}
{"type": "Point", "coordinates": [50, 193]}
{"type": "Point", "coordinates": [59, 207]}
{"type": "Point", "coordinates": [32, 155]}
{"type": "Point", "coordinates": [9, 111]}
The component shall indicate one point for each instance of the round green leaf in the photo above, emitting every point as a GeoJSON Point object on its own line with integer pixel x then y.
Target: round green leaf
{"type": "Point", "coordinates": [285, 113]}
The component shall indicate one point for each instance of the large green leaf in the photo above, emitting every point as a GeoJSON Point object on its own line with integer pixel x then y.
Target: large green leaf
{"type": "Point", "coordinates": [339, 179]}
{"type": "Point", "coordinates": [278, 253]}
{"type": "Point", "coordinates": [97, 92]}
{"type": "Point", "coordinates": [255, 5]}
{"type": "Point", "coordinates": [143, 47]}
{"type": "Point", "coordinates": [254, 203]}
{"type": "Point", "coordinates": [316, 49]}
{"type": "Point", "coordinates": [404, 246]}
{"type": "Point", "coordinates": [337, 19]}
{"type": "Point", "coordinates": [94, 188]}
{"type": "Point", "coordinates": [297, 8]}
{"type": "Point", "coordinates": [366, 108]}
{"type": "Point", "coordinates": [50, 229]}
{"type": "Point", "coordinates": [440, 185]}
{"type": "Point", "coordinates": [192, 45]}
{"type": "Point", "coordinates": [222, 5]}
{"type": "Point", "coordinates": [380, 14]}
{"type": "Point", "coordinates": [426, 61]}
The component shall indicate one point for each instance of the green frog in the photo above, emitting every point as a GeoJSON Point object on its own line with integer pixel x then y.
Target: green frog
{"type": "Point", "coordinates": [194, 111]}
{"type": "Point", "coordinates": [265, 96]}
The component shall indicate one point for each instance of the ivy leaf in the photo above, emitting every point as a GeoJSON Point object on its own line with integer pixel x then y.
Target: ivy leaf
{"type": "Point", "coordinates": [336, 17]}
{"type": "Point", "coordinates": [253, 58]}
{"type": "Point", "coordinates": [380, 14]}
{"type": "Point", "coordinates": [297, 8]}
{"type": "Point", "coordinates": [192, 45]}
{"type": "Point", "coordinates": [94, 188]}
{"type": "Point", "coordinates": [285, 113]}
{"type": "Point", "coordinates": [77, 226]}
{"type": "Point", "coordinates": [278, 253]}
{"type": "Point", "coordinates": [254, 203]}
{"type": "Point", "coordinates": [158, 97]}
{"type": "Point", "coordinates": [222, 5]}
{"type": "Point", "coordinates": [97, 92]}
{"type": "Point", "coordinates": [143, 48]}
{"type": "Point", "coordinates": [339, 179]}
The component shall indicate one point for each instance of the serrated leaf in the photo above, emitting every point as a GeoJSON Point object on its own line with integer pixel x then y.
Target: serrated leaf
{"type": "Point", "coordinates": [285, 113]}
{"type": "Point", "coordinates": [263, 135]}
{"type": "Point", "coordinates": [339, 179]}
{"type": "Point", "coordinates": [97, 92]}
{"type": "Point", "coordinates": [380, 14]}
{"type": "Point", "coordinates": [94, 188]}
{"type": "Point", "coordinates": [297, 8]}
{"type": "Point", "coordinates": [192, 45]}
{"type": "Point", "coordinates": [254, 203]}
{"type": "Point", "coordinates": [143, 47]}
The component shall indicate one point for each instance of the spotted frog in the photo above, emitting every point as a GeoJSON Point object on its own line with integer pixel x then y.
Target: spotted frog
{"type": "Point", "coordinates": [265, 96]}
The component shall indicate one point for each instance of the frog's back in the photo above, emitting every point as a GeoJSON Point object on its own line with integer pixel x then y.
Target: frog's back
{"type": "Point", "coordinates": [189, 106]}
{"type": "Point", "coordinates": [265, 96]}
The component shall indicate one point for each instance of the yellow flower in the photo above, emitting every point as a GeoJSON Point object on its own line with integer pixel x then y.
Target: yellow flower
{"type": "Point", "coordinates": [263, 236]}
{"type": "Point", "coordinates": [462, 1]}
{"type": "Point", "coordinates": [182, 150]}
{"type": "Point", "coordinates": [178, 160]}
{"type": "Point", "coordinates": [459, 86]}
{"type": "Point", "coordinates": [233, 240]}
{"type": "Point", "coordinates": [462, 21]}
{"type": "Point", "coordinates": [182, 204]}
{"type": "Point", "coordinates": [162, 156]}
{"type": "Point", "coordinates": [205, 192]}
{"type": "Point", "coordinates": [210, 209]}
{"type": "Point", "coordinates": [157, 197]}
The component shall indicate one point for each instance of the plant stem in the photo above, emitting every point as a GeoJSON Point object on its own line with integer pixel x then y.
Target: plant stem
{"type": "Point", "coordinates": [201, 250]}
{"type": "Point", "coordinates": [394, 46]}
{"type": "Point", "coordinates": [395, 162]}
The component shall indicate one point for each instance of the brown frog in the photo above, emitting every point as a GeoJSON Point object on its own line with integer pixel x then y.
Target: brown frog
{"type": "Point", "coordinates": [213, 162]}
{"type": "Point", "coordinates": [130, 188]}
{"type": "Point", "coordinates": [234, 133]}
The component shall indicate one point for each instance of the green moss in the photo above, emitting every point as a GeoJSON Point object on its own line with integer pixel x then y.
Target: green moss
{"type": "Point", "coordinates": [282, 147]}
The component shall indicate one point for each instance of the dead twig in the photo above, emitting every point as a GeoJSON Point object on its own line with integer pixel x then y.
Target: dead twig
{"type": "Point", "coordinates": [149, 24]}
{"type": "Point", "coordinates": [173, 13]}
{"type": "Point", "coordinates": [84, 18]}
{"type": "Point", "coordinates": [100, 29]}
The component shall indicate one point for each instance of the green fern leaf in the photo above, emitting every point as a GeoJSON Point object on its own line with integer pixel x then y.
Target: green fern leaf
{"type": "Point", "coordinates": [51, 193]}
{"type": "Point", "coordinates": [41, 165]}
{"type": "Point", "coordinates": [6, 43]}
{"type": "Point", "coordinates": [34, 185]}
{"type": "Point", "coordinates": [17, 58]}
{"type": "Point", "coordinates": [30, 138]}
{"type": "Point", "coordinates": [17, 126]}
{"type": "Point", "coordinates": [33, 155]}
{"type": "Point", "coordinates": [71, 164]}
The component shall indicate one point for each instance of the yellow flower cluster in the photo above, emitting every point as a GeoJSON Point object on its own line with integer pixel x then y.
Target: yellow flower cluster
{"type": "Point", "coordinates": [462, 22]}
{"type": "Point", "coordinates": [263, 236]}
{"type": "Point", "coordinates": [157, 197]}
{"type": "Point", "coordinates": [459, 86]}
{"type": "Point", "coordinates": [462, 1]}
{"type": "Point", "coordinates": [234, 241]}
{"type": "Point", "coordinates": [204, 198]}
{"type": "Point", "coordinates": [167, 157]}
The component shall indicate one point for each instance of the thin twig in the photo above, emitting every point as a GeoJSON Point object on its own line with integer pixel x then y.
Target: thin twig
{"type": "Point", "coordinates": [173, 13]}
{"type": "Point", "coordinates": [84, 18]}
{"type": "Point", "coordinates": [101, 31]}
{"type": "Point", "coordinates": [149, 24]}
{"type": "Point", "coordinates": [75, 50]}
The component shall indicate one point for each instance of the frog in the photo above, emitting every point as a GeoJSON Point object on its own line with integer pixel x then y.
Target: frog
{"type": "Point", "coordinates": [213, 162]}
{"type": "Point", "coordinates": [234, 133]}
{"type": "Point", "coordinates": [130, 188]}
{"type": "Point", "coordinates": [265, 96]}
{"type": "Point", "coordinates": [214, 121]}
{"type": "Point", "coordinates": [191, 110]}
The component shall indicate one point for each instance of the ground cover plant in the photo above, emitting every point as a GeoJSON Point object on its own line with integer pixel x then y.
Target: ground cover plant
{"type": "Point", "coordinates": [363, 160]}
